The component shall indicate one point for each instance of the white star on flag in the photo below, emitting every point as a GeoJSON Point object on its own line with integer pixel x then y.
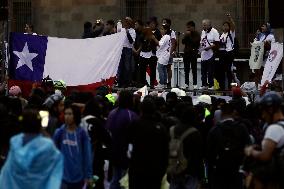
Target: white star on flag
{"type": "Point", "coordinates": [25, 57]}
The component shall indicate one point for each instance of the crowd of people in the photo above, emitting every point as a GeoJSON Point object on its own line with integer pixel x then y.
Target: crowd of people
{"type": "Point", "coordinates": [53, 140]}
{"type": "Point", "coordinates": [150, 46]}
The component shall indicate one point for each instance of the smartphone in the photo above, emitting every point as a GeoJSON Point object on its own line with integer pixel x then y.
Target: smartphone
{"type": "Point", "coordinates": [44, 118]}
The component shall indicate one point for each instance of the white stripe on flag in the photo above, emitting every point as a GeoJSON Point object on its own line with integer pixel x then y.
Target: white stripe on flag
{"type": "Point", "coordinates": [83, 61]}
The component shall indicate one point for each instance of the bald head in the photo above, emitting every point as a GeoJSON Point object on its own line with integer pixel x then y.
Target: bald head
{"type": "Point", "coordinates": [206, 23]}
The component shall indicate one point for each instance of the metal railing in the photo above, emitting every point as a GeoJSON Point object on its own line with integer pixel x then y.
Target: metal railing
{"type": "Point", "coordinates": [21, 14]}
{"type": "Point", "coordinates": [250, 15]}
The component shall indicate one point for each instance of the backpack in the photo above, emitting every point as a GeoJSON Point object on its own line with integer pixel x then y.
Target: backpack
{"type": "Point", "coordinates": [177, 161]}
{"type": "Point", "coordinates": [230, 147]}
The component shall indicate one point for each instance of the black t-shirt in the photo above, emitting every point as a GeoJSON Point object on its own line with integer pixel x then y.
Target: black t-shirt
{"type": "Point", "coordinates": [147, 45]}
{"type": "Point", "coordinates": [191, 41]}
{"type": "Point", "coordinates": [108, 33]}
{"type": "Point", "coordinates": [138, 40]}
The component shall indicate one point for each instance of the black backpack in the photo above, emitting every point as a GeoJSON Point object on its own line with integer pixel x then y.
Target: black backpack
{"type": "Point", "coordinates": [229, 150]}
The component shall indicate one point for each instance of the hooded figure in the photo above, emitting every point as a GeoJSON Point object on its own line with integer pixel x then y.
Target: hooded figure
{"type": "Point", "coordinates": [33, 161]}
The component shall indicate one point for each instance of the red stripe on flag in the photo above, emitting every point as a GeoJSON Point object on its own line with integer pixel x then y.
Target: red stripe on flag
{"type": "Point", "coordinates": [27, 86]}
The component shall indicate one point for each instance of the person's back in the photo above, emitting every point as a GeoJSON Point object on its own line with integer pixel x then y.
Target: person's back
{"type": "Point", "coordinates": [33, 160]}
{"type": "Point", "coordinates": [192, 149]}
{"type": "Point", "coordinates": [190, 140]}
{"type": "Point", "coordinates": [226, 143]}
{"type": "Point", "coordinates": [118, 123]}
{"type": "Point", "coordinates": [149, 158]}
{"type": "Point", "coordinates": [150, 150]}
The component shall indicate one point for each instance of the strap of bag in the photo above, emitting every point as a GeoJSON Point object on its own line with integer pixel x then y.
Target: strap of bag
{"type": "Point", "coordinates": [187, 132]}
{"type": "Point", "coordinates": [172, 132]}
{"type": "Point", "coordinates": [231, 38]}
{"type": "Point", "coordinates": [184, 135]}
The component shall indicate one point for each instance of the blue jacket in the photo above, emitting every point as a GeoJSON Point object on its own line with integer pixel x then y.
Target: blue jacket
{"type": "Point", "coordinates": [37, 164]}
{"type": "Point", "coordinates": [76, 149]}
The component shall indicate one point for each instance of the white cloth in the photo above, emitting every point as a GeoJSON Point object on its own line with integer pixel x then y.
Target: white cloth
{"type": "Point", "coordinates": [256, 56]}
{"type": "Point", "coordinates": [275, 133]}
{"type": "Point", "coordinates": [249, 86]}
{"type": "Point", "coordinates": [173, 35]}
{"type": "Point", "coordinates": [146, 54]}
{"type": "Point", "coordinates": [163, 51]}
{"type": "Point", "coordinates": [31, 34]}
{"type": "Point", "coordinates": [126, 41]}
{"type": "Point", "coordinates": [224, 38]}
{"type": "Point", "coordinates": [207, 40]}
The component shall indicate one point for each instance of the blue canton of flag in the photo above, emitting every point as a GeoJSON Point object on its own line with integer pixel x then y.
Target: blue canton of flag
{"type": "Point", "coordinates": [27, 54]}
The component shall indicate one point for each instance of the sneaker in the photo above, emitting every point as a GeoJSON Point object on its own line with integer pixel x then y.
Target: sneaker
{"type": "Point", "coordinates": [211, 88]}
{"type": "Point", "coordinates": [159, 86]}
{"type": "Point", "coordinates": [202, 88]}
{"type": "Point", "coordinates": [185, 86]}
{"type": "Point", "coordinates": [195, 87]}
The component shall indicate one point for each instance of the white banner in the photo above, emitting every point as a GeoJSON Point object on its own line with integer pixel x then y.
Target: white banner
{"type": "Point", "coordinates": [272, 62]}
{"type": "Point", "coordinates": [256, 56]}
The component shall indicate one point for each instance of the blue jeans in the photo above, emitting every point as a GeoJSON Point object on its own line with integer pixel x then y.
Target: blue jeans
{"type": "Point", "coordinates": [207, 71]}
{"type": "Point", "coordinates": [184, 182]}
{"type": "Point", "coordinates": [162, 69]}
{"type": "Point", "coordinates": [118, 173]}
{"type": "Point", "coordinates": [125, 67]}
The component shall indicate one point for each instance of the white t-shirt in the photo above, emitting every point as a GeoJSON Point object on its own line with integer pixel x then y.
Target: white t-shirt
{"type": "Point", "coordinates": [146, 54]}
{"type": "Point", "coordinates": [224, 38]}
{"type": "Point", "coordinates": [207, 39]}
{"type": "Point", "coordinates": [163, 51]}
{"type": "Point", "coordinates": [275, 133]}
{"type": "Point", "coordinates": [270, 38]}
{"type": "Point", "coordinates": [133, 35]}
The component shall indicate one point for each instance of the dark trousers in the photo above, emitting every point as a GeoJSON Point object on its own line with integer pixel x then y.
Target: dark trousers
{"type": "Point", "coordinates": [207, 71]}
{"type": "Point", "coordinates": [223, 67]}
{"type": "Point", "coordinates": [136, 72]}
{"type": "Point", "coordinates": [98, 169]}
{"type": "Point", "coordinates": [226, 180]}
{"type": "Point", "coordinates": [78, 185]}
{"type": "Point", "coordinates": [125, 68]}
{"type": "Point", "coordinates": [190, 61]}
{"type": "Point", "coordinates": [144, 62]}
{"type": "Point", "coordinates": [144, 181]}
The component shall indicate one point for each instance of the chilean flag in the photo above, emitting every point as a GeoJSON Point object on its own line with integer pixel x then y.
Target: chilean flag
{"type": "Point", "coordinates": [81, 63]}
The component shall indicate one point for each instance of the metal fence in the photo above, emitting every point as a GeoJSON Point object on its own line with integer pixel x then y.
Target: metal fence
{"type": "Point", "coordinates": [21, 14]}
{"type": "Point", "coordinates": [137, 9]}
{"type": "Point", "coordinates": [250, 15]}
